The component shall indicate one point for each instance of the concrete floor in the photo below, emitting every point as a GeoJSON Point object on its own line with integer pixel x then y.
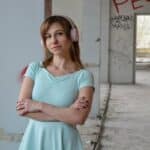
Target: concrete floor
{"type": "Point", "coordinates": [89, 133]}
{"type": "Point", "coordinates": [127, 125]}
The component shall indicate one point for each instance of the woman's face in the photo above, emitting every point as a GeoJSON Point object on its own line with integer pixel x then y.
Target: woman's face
{"type": "Point", "coordinates": [57, 41]}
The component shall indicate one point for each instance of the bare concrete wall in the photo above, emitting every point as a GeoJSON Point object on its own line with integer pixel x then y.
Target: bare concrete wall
{"type": "Point", "coordinates": [104, 43]}
{"type": "Point", "coordinates": [20, 44]}
{"type": "Point", "coordinates": [90, 45]}
{"type": "Point", "coordinates": [122, 38]}
{"type": "Point", "coordinates": [69, 8]}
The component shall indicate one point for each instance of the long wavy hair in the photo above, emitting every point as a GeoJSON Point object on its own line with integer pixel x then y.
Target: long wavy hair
{"type": "Point", "coordinates": [65, 23]}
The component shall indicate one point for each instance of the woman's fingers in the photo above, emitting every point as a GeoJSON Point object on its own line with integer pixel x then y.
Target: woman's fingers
{"type": "Point", "coordinates": [82, 102]}
{"type": "Point", "coordinates": [22, 112]}
{"type": "Point", "coordinates": [82, 106]}
{"type": "Point", "coordinates": [20, 106]}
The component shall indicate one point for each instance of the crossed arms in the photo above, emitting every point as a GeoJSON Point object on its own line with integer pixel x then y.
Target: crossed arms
{"type": "Point", "coordinates": [74, 114]}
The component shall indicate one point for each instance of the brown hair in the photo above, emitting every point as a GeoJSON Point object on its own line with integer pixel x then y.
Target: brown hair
{"type": "Point", "coordinates": [65, 23]}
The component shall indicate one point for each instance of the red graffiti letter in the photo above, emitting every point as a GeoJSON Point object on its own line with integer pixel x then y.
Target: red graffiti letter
{"type": "Point", "coordinates": [133, 4]}
{"type": "Point", "coordinates": [118, 3]}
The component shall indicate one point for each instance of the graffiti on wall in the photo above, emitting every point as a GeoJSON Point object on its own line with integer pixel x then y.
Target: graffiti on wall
{"type": "Point", "coordinates": [135, 4]}
{"type": "Point", "coordinates": [123, 22]}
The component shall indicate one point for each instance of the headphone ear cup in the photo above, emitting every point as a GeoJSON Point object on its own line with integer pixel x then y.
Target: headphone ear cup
{"type": "Point", "coordinates": [42, 43]}
{"type": "Point", "coordinates": [74, 35]}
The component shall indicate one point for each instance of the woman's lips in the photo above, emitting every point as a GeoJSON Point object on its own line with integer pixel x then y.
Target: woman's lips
{"type": "Point", "coordinates": [55, 47]}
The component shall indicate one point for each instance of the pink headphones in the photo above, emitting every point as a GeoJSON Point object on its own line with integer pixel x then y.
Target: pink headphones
{"type": "Point", "coordinates": [74, 31]}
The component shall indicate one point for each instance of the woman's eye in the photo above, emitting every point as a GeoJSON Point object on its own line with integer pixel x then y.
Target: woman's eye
{"type": "Point", "coordinates": [59, 33]}
{"type": "Point", "coordinates": [48, 36]}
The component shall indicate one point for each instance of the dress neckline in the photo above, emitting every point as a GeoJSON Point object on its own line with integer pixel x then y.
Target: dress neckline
{"type": "Point", "coordinates": [61, 76]}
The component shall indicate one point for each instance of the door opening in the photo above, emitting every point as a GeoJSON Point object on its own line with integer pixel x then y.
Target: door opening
{"type": "Point", "coordinates": [142, 44]}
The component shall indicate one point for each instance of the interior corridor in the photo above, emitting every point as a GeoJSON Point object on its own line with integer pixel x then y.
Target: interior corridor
{"type": "Point", "coordinates": [127, 121]}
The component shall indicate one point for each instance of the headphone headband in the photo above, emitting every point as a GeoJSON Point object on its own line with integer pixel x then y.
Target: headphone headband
{"type": "Point", "coordinates": [70, 21]}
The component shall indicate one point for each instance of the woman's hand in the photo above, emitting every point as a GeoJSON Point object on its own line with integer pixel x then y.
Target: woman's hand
{"type": "Point", "coordinates": [80, 103]}
{"type": "Point", "coordinates": [27, 105]}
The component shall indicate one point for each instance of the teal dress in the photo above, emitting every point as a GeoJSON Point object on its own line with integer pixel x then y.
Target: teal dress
{"type": "Point", "coordinates": [60, 91]}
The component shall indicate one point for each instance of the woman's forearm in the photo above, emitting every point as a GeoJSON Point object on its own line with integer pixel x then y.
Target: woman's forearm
{"type": "Point", "coordinates": [40, 116]}
{"type": "Point", "coordinates": [69, 115]}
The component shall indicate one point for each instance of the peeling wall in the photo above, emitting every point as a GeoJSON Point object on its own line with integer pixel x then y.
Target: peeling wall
{"type": "Point", "coordinates": [122, 38]}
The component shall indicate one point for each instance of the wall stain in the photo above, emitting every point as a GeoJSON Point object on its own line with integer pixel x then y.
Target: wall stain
{"type": "Point", "coordinates": [120, 58]}
{"type": "Point", "coordinates": [10, 137]}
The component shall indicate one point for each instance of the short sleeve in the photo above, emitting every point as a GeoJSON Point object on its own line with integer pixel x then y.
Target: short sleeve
{"type": "Point", "coordinates": [85, 79]}
{"type": "Point", "coordinates": [32, 70]}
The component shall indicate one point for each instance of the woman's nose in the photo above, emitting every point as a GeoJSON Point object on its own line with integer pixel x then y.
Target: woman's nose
{"type": "Point", "coordinates": [53, 39]}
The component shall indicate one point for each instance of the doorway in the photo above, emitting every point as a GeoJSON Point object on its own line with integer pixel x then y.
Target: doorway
{"type": "Point", "coordinates": [142, 43]}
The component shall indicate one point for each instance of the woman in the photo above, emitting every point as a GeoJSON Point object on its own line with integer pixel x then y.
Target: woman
{"type": "Point", "coordinates": [56, 94]}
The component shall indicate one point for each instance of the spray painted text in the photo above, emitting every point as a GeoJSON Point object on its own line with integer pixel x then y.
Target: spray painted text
{"type": "Point", "coordinates": [135, 4]}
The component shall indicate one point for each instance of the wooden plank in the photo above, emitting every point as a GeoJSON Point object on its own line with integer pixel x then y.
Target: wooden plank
{"type": "Point", "coordinates": [47, 8]}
